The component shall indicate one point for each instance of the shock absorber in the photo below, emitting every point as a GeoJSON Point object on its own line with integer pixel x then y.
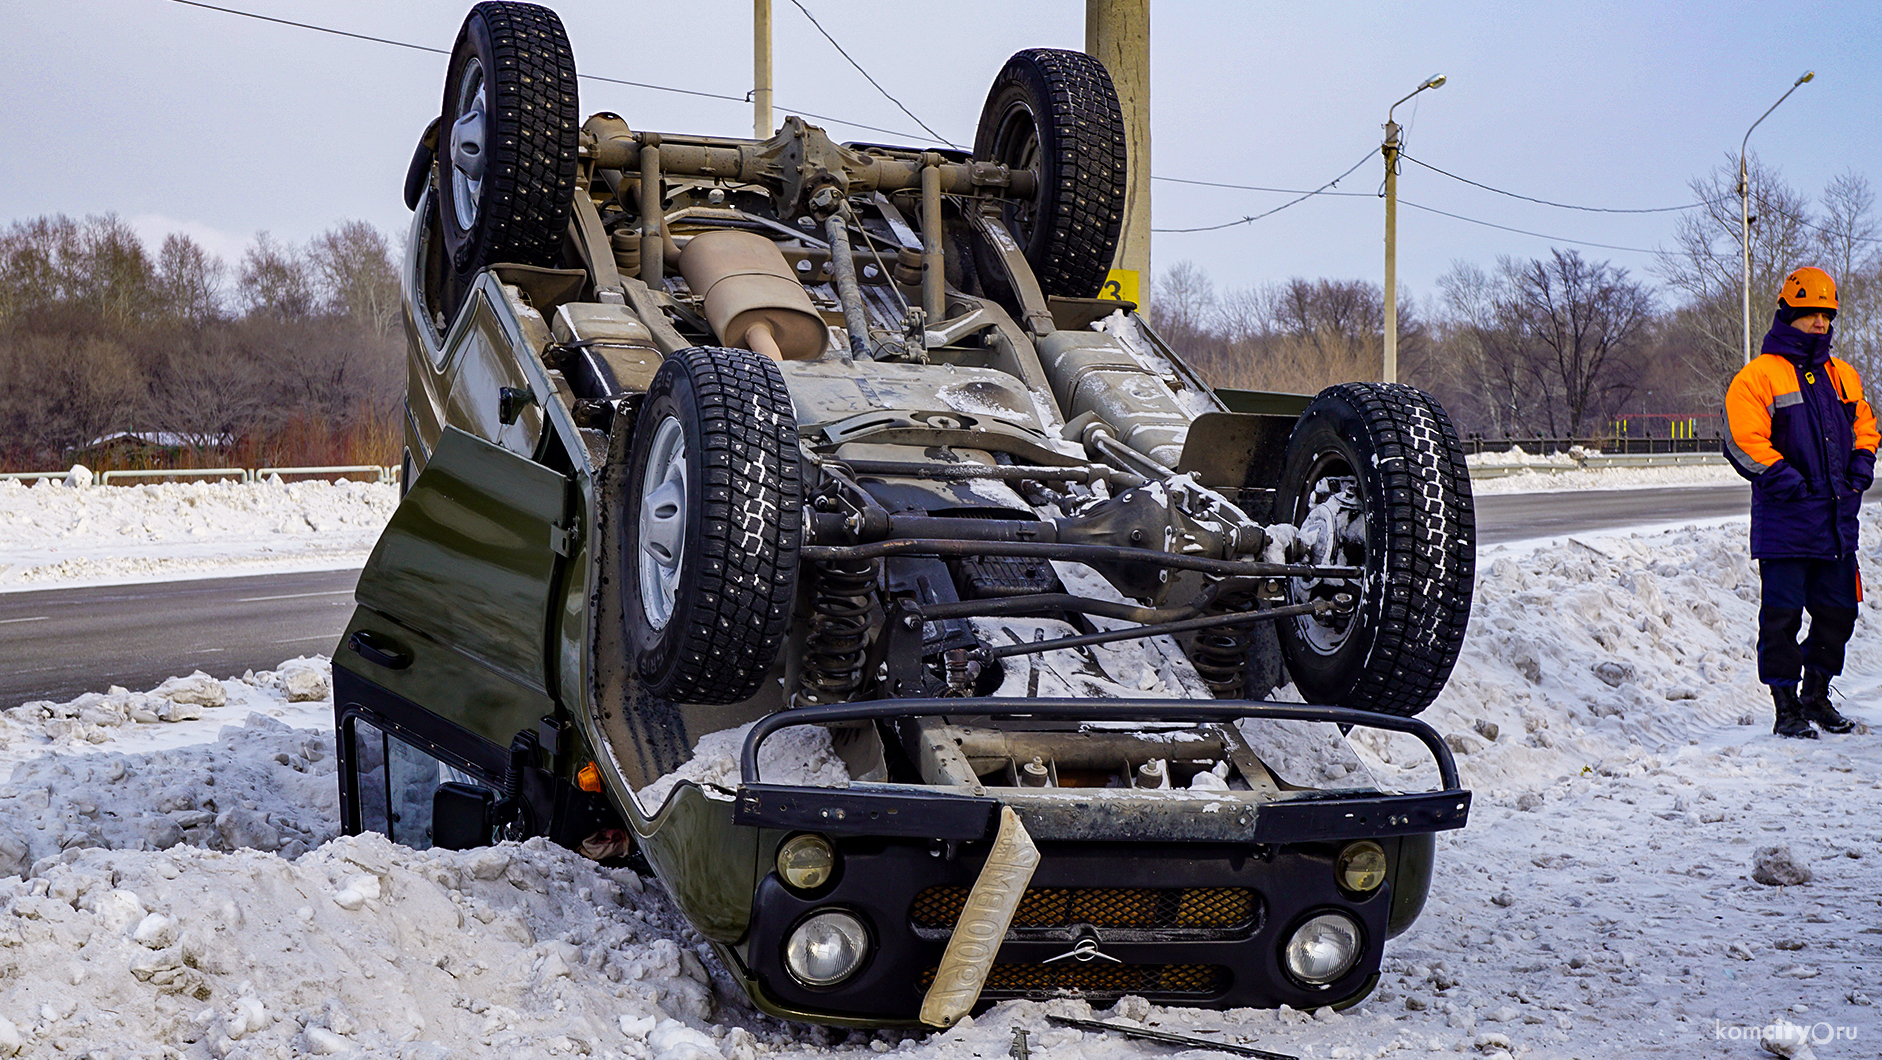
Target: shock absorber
{"type": "Point", "coordinates": [1220, 654]}
{"type": "Point", "coordinates": [838, 642]}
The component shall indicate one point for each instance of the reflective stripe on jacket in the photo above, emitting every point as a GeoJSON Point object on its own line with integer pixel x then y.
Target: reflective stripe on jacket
{"type": "Point", "coordinates": [1800, 430]}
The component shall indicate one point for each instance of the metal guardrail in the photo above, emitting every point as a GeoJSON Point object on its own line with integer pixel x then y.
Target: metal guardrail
{"type": "Point", "coordinates": [24, 475]}
{"type": "Point", "coordinates": [382, 473]}
{"type": "Point", "coordinates": [385, 474]}
{"type": "Point", "coordinates": [106, 477]}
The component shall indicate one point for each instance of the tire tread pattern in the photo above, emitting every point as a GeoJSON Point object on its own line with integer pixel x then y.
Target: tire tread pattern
{"type": "Point", "coordinates": [1427, 567]}
{"type": "Point", "coordinates": [745, 583]}
{"type": "Point", "coordinates": [529, 182]}
{"type": "Point", "coordinates": [1076, 230]}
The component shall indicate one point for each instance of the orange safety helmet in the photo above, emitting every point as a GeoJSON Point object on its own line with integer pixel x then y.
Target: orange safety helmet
{"type": "Point", "coordinates": [1808, 289]}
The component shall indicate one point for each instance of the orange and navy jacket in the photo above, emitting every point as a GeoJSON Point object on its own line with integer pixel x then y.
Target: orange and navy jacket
{"type": "Point", "coordinates": [1799, 429]}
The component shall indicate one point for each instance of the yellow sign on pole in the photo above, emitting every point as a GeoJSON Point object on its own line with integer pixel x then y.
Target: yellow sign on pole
{"type": "Point", "coordinates": [1121, 284]}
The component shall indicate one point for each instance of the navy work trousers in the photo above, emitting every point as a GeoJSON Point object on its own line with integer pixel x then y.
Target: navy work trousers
{"type": "Point", "coordinates": [1830, 590]}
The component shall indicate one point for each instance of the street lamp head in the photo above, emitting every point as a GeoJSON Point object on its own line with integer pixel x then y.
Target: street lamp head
{"type": "Point", "coordinates": [1437, 81]}
{"type": "Point", "coordinates": [1808, 75]}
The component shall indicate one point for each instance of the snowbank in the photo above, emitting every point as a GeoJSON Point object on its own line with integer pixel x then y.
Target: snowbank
{"type": "Point", "coordinates": [1562, 473]}
{"type": "Point", "coordinates": [53, 535]}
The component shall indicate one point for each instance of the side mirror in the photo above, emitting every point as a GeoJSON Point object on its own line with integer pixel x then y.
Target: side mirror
{"type": "Point", "coordinates": [462, 816]}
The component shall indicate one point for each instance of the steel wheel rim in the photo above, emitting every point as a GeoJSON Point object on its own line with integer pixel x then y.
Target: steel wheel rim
{"type": "Point", "coordinates": [1333, 526]}
{"type": "Point", "coordinates": [1017, 146]}
{"type": "Point", "coordinates": [664, 494]}
{"type": "Point", "coordinates": [468, 154]}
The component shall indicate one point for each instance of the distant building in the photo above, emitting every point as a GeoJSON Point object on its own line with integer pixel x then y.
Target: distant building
{"type": "Point", "coordinates": [148, 446]}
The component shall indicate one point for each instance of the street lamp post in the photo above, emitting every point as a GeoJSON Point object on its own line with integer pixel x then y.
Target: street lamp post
{"type": "Point", "coordinates": [1744, 203]}
{"type": "Point", "coordinates": [1391, 149]}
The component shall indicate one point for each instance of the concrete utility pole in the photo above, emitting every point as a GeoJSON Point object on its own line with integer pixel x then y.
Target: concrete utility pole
{"type": "Point", "coordinates": [1391, 150]}
{"type": "Point", "coordinates": [1744, 203]}
{"type": "Point", "coordinates": [761, 128]}
{"type": "Point", "coordinates": [1117, 34]}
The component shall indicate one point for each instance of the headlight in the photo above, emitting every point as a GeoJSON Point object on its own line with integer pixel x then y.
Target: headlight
{"type": "Point", "coordinates": [1361, 867]}
{"type": "Point", "coordinates": [806, 862]}
{"type": "Point", "coordinates": [1323, 949]}
{"type": "Point", "coordinates": [826, 949]}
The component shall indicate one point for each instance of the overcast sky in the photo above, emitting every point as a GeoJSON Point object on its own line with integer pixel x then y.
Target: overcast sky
{"type": "Point", "coordinates": [180, 118]}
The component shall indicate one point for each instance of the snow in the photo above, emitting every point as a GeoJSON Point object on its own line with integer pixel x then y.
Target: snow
{"type": "Point", "coordinates": [1560, 473]}
{"type": "Point", "coordinates": [172, 881]}
{"type": "Point", "coordinates": [1126, 330]}
{"type": "Point", "coordinates": [52, 535]}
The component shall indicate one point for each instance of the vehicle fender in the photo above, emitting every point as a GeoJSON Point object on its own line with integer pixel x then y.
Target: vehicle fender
{"type": "Point", "coordinates": [1410, 880]}
{"type": "Point", "coordinates": [1239, 455]}
{"type": "Point", "coordinates": [708, 864]}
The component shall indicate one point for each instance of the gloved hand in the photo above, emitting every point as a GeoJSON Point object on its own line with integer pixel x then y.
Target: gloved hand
{"type": "Point", "coordinates": [1781, 483]}
{"type": "Point", "coordinates": [1861, 469]}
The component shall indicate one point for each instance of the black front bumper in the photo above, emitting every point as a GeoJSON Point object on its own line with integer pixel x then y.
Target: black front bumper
{"type": "Point", "coordinates": [1111, 909]}
{"type": "Point", "coordinates": [1187, 924]}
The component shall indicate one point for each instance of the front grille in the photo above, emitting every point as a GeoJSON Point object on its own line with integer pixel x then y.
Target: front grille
{"type": "Point", "coordinates": [1192, 908]}
{"type": "Point", "coordinates": [1094, 980]}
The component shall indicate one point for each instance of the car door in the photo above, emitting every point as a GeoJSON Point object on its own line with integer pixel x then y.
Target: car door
{"type": "Point", "coordinates": [448, 649]}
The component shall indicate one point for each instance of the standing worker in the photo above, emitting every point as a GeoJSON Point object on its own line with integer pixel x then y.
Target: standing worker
{"type": "Point", "coordinates": [1799, 429]}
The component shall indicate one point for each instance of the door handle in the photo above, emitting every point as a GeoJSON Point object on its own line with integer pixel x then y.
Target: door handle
{"type": "Point", "coordinates": [379, 649]}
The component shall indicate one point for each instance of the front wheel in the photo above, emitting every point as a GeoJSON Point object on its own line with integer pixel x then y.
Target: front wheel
{"type": "Point", "coordinates": [710, 541]}
{"type": "Point", "coordinates": [1373, 477]}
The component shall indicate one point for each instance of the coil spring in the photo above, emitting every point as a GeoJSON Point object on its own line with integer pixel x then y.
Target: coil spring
{"type": "Point", "coordinates": [1220, 655]}
{"type": "Point", "coordinates": [838, 642]}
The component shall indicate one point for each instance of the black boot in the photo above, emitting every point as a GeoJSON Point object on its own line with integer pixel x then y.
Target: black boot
{"type": "Point", "coordinates": [1790, 714]}
{"type": "Point", "coordinates": [1814, 697]}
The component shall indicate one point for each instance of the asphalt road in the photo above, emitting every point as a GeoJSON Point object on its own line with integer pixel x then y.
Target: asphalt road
{"type": "Point", "coordinates": [58, 643]}
{"type": "Point", "coordinates": [1517, 516]}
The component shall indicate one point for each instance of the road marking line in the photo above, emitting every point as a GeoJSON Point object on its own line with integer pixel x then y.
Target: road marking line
{"type": "Point", "coordinates": [35, 618]}
{"type": "Point", "coordinates": [293, 596]}
{"type": "Point", "coordinates": [297, 640]}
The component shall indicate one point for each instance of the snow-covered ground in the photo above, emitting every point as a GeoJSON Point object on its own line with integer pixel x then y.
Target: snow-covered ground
{"type": "Point", "coordinates": [53, 535]}
{"type": "Point", "coordinates": [179, 888]}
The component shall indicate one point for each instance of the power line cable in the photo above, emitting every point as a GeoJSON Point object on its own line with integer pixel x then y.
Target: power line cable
{"type": "Point", "coordinates": [441, 51]}
{"type": "Point", "coordinates": [859, 69]}
{"type": "Point", "coordinates": [584, 76]}
{"type": "Point", "coordinates": [1522, 232]}
{"type": "Point", "coordinates": [1821, 229]}
{"type": "Point", "coordinates": [1546, 202]}
{"type": "Point", "coordinates": [1251, 187]}
{"type": "Point", "coordinates": [1321, 190]}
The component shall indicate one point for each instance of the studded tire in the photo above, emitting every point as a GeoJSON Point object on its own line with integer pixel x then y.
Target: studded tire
{"type": "Point", "coordinates": [1056, 113]}
{"type": "Point", "coordinates": [1373, 476]}
{"type": "Point", "coordinates": [507, 140]}
{"type": "Point", "coordinates": [714, 522]}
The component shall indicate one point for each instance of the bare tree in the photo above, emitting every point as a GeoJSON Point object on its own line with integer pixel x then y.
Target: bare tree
{"type": "Point", "coordinates": [96, 267]}
{"type": "Point", "coordinates": [1184, 303]}
{"type": "Point", "coordinates": [277, 281]}
{"type": "Point", "coordinates": [1705, 267]}
{"type": "Point", "coordinates": [1849, 246]}
{"type": "Point", "coordinates": [1590, 321]}
{"type": "Point", "coordinates": [189, 280]}
{"type": "Point", "coordinates": [353, 263]}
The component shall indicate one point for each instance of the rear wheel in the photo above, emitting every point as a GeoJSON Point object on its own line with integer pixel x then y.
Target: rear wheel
{"type": "Point", "coordinates": [710, 546]}
{"type": "Point", "coordinates": [1374, 477]}
{"type": "Point", "coordinates": [507, 140]}
{"type": "Point", "coordinates": [1056, 113]}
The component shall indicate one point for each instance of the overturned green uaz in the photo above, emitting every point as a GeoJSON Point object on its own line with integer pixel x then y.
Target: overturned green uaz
{"type": "Point", "coordinates": [834, 446]}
